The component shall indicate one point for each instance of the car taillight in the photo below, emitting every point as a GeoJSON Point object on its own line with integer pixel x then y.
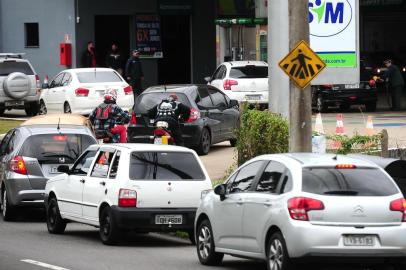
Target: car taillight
{"type": "Point", "coordinates": [399, 205]}
{"type": "Point", "coordinates": [300, 206]}
{"type": "Point", "coordinates": [128, 90]}
{"type": "Point", "coordinates": [127, 198]}
{"type": "Point", "coordinates": [346, 166]}
{"type": "Point", "coordinates": [38, 81]}
{"type": "Point", "coordinates": [82, 92]}
{"type": "Point", "coordinates": [17, 165]}
{"type": "Point", "coordinates": [133, 120]}
{"type": "Point", "coordinates": [194, 115]}
{"type": "Point", "coordinates": [327, 86]}
{"type": "Point", "coordinates": [60, 138]}
{"type": "Point", "coordinates": [228, 83]}
{"type": "Point", "coordinates": [372, 83]}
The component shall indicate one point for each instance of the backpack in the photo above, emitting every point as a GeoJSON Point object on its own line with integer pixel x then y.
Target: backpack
{"type": "Point", "coordinates": [103, 111]}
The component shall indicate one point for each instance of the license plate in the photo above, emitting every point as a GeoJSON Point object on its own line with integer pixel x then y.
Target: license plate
{"type": "Point", "coordinates": [101, 92]}
{"type": "Point", "coordinates": [11, 103]}
{"type": "Point", "coordinates": [168, 219]}
{"type": "Point", "coordinates": [158, 140]}
{"type": "Point", "coordinates": [53, 170]}
{"type": "Point", "coordinates": [152, 121]}
{"type": "Point", "coordinates": [359, 240]}
{"type": "Point", "coordinates": [352, 86]}
{"type": "Point", "coordinates": [253, 97]}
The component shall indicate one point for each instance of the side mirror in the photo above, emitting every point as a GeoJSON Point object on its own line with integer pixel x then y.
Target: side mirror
{"type": "Point", "coordinates": [221, 191]}
{"type": "Point", "coordinates": [234, 103]}
{"type": "Point", "coordinates": [207, 79]}
{"type": "Point", "coordinates": [45, 86]}
{"type": "Point", "coordinates": [63, 169]}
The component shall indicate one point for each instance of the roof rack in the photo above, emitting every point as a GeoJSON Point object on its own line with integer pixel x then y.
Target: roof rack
{"type": "Point", "coordinates": [12, 55]}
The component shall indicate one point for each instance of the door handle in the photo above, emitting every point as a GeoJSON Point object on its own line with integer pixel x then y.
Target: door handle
{"type": "Point", "coordinates": [267, 204]}
{"type": "Point", "coordinates": [82, 181]}
{"type": "Point", "coordinates": [102, 183]}
{"type": "Point", "coordinates": [240, 202]}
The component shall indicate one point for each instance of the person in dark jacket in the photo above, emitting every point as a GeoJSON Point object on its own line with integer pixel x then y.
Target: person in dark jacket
{"type": "Point", "coordinates": [134, 73]}
{"type": "Point", "coordinates": [114, 59]}
{"type": "Point", "coordinates": [170, 110]}
{"type": "Point", "coordinates": [395, 81]}
{"type": "Point", "coordinates": [89, 56]}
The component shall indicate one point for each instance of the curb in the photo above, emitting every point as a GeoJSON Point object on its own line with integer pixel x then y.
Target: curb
{"type": "Point", "coordinates": [13, 119]}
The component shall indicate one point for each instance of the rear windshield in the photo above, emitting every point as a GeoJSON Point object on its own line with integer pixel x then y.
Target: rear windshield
{"type": "Point", "coordinates": [56, 148]}
{"type": "Point", "coordinates": [8, 67]}
{"type": "Point", "coordinates": [98, 77]}
{"type": "Point", "coordinates": [348, 182]}
{"type": "Point", "coordinates": [165, 166]}
{"type": "Point", "coordinates": [148, 100]}
{"type": "Point", "coordinates": [249, 72]}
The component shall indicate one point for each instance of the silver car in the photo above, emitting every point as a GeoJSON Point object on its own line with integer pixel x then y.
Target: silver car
{"type": "Point", "coordinates": [285, 207]}
{"type": "Point", "coordinates": [30, 155]}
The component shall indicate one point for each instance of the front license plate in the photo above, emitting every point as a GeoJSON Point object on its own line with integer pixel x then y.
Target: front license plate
{"type": "Point", "coordinates": [168, 219]}
{"type": "Point", "coordinates": [359, 240]}
{"type": "Point", "coordinates": [253, 97]}
{"type": "Point", "coordinates": [11, 103]}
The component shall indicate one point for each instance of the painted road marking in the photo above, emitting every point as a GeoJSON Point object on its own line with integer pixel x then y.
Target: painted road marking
{"type": "Point", "coordinates": [45, 265]}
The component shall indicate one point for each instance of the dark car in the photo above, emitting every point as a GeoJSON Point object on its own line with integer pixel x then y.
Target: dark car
{"type": "Point", "coordinates": [214, 117]}
{"type": "Point", "coordinates": [30, 155]}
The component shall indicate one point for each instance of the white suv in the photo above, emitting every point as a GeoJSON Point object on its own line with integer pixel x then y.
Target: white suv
{"type": "Point", "coordinates": [300, 206]}
{"type": "Point", "coordinates": [245, 81]}
{"type": "Point", "coordinates": [120, 187]}
{"type": "Point", "coordinates": [19, 84]}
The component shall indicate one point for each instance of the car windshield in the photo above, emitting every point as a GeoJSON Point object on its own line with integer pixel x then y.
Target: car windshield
{"type": "Point", "coordinates": [148, 100]}
{"type": "Point", "coordinates": [165, 166]}
{"type": "Point", "coordinates": [349, 182]}
{"type": "Point", "coordinates": [249, 72]}
{"type": "Point", "coordinates": [11, 66]}
{"type": "Point", "coordinates": [56, 148]}
{"type": "Point", "coordinates": [98, 77]}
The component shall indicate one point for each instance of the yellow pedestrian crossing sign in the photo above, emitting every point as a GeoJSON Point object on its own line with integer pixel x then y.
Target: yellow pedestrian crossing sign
{"type": "Point", "coordinates": [302, 64]}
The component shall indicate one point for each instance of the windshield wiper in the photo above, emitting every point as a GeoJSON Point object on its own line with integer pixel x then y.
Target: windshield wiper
{"type": "Point", "coordinates": [341, 192]}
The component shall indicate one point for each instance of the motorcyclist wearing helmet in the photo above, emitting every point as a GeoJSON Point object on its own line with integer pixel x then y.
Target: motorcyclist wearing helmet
{"type": "Point", "coordinates": [108, 118]}
{"type": "Point", "coordinates": [170, 110]}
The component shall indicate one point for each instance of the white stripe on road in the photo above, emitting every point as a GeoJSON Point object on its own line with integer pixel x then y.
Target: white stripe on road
{"type": "Point", "coordinates": [45, 265]}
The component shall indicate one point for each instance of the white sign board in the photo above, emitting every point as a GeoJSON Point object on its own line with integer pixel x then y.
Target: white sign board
{"type": "Point", "coordinates": [334, 37]}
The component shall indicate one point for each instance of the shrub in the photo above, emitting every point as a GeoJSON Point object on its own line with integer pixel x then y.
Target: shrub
{"type": "Point", "coordinates": [261, 132]}
{"type": "Point", "coordinates": [356, 144]}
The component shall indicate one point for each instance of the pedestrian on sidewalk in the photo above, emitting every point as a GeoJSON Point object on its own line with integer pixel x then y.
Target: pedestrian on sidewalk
{"type": "Point", "coordinates": [114, 59]}
{"type": "Point", "coordinates": [89, 56]}
{"type": "Point", "coordinates": [134, 73]}
{"type": "Point", "coordinates": [395, 81]}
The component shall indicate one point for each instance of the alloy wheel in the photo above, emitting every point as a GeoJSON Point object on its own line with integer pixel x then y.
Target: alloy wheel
{"type": "Point", "coordinates": [66, 108]}
{"type": "Point", "coordinates": [42, 108]}
{"type": "Point", "coordinates": [206, 141]}
{"type": "Point", "coordinates": [4, 204]}
{"type": "Point", "coordinates": [204, 242]}
{"type": "Point", "coordinates": [106, 225]}
{"type": "Point", "coordinates": [275, 258]}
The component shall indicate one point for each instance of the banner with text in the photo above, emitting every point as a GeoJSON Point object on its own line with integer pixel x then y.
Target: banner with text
{"type": "Point", "coordinates": [148, 35]}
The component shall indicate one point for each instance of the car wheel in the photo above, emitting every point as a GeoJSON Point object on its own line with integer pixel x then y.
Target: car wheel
{"type": "Point", "coordinates": [7, 210]}
{"type": "Point", "coordinates": [66, 108]}
{"type": "Point", "coordinates": [370, 107]}
{"type": "Point", "coordinates": [344, 107]}
{"type": "Point", "coordinates": [277, 254]}
{"type": "Point", "coordinates": [233, 142]}
{"type": "Point", "coordinates": [109, 233]}
{"type": "Point", "coordinates": [31, 109]}
{"type": "Point", "coordinates": [205, 245]}
{"type": "Point", "coordinates": [205, 142]}
{"type": "Point", "coordinates": [192, 238]}
{"type": "Point", "coordinates": [321, 105]}
{"type": "Point", "coordinates": [42, 108]}
{"type": "Point", "coordinates": [55, 223]}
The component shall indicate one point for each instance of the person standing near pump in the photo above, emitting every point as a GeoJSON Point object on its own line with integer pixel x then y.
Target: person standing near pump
{"type": "Point", "coordinates": [114, 59]}
{"type": "Point", "coordinates": [394, 79]}
{"type": "Point", "coordinates": [89, 56]}
{"type": "Point", "coordinates": [134, 73]}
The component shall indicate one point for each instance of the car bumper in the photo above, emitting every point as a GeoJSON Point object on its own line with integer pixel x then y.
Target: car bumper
{"type": "Point", "coordinates": [254, 97]}
{"type": "Point", "coordinates": [18, 104]}
{"type": "Point", "coordinates": [20, 192]}
{"type": "Point", "coordinates": [350, 96]}
{"type": "Point", "coordinates": [327, 241]}
{"type": "Point", "coordinates": [143, 219]}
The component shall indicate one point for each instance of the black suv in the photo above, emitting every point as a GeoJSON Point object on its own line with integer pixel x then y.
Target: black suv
{"type": "Point", "coordinates": [214, 117]}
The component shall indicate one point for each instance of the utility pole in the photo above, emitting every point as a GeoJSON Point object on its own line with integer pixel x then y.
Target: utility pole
{"type": "Point", "coordinates": [298, 100]}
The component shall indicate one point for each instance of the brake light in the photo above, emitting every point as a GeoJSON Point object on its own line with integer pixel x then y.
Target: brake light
{"type": "Point", "coordinates": [38, 81]}
{"type": "Point", "coordinates": [127, 198]}
{"type": "Point", "coordinates": [82, 92]}
{"type": "Point", "coordinates": [300, 206]}
{"type": "Point", "coordinates": [17, 165]}
{"type": "Point", "coordinates": [228, 83]}
{"type": "Point", "coordinates": [327, 86]}
{"type": "Point", "coordinates": [128, 90]}
{"type": "Point", "coordinates": [133, 120]}
{"type": "Point", "coordinates": [399, 205]}
{"type": "Point", "coordinates": [60, 138]}
{"type": "Point", "coordinates": [372, 83]}
{"type": "Point", "coordinates": [194, 115]}
{"type": "Point", "coordinates": [346, 166]}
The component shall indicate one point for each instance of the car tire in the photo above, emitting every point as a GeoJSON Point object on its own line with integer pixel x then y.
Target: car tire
{"type": "Point", "coordinates": [205, 245]}
{"type": "Point", "coordinates": [205, 142]}
{"type": "Point", "coordinates": [370, 107]}
{"type": "Point", "coordinates": [192, 237]}
{"type": "Point", "coordinates": [42, 108]}
{"type": "Point", "coordinates": [320, 104]}
{"type": "Point", "coordinates": [55, 223]}
{"type": "Point", "coordinates": [31, 109]}
{"type": "Point", "coordinates": [233, 142]}
{"type": "Point", "coordinates": [8, 211]}
{"type": "Point", "coordinates": [108, 231]}
{"type": "Point", "coordinates": [277, 253]}
{"type": "Point", "coordinates": [344, 107]}
{"type": "Point", "coordinates": [67, 108]}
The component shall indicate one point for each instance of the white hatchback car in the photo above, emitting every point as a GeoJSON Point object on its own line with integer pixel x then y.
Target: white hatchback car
{"type": "Point", "coordinates": [120, 187]}
{"type": "Point", "coordinates": [81, 90]}
{"type": "Point", "coordinates": [245, 81]}
{"type": "Point", "coordinates": [299, 206]}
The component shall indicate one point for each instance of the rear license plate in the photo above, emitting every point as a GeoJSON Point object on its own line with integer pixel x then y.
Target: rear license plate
{"type": "Point", "coordinates": [100, 92]}
{"type": "Point", "coordinates": [11, 103]}
{"type": "Point", "coordinates": [253, 97]}
{"type": "Point", "coordinates": [352, 86]}
{"type": "Point", "coordinates": [158, 140]}
{"type": "Point", "coordinates": [359, 240]}
{"type": "Point", "coordinates": [168, 219]}
{"type": "Point", "coordinates": [53, 170]}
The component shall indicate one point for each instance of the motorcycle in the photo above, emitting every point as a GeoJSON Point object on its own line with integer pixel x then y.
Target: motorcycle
{"type": "Point", "coordinates": [162, 134]}
{"type": "Point", "coordinates": [108, 137]}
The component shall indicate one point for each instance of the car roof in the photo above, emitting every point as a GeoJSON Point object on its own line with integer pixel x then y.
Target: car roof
{"type": "Point", "coordinates": [75, 70]}
{"type": "Point", "coordinates": [52, 129]}
{"type": "Point", "coordinates": [54, 119]}
{"type": "Point", "coordinates": [147, 147]}
{"type": "Point", "coordinates": [246, 63]}
{"type": "Point", "coordinates": [176, 88]}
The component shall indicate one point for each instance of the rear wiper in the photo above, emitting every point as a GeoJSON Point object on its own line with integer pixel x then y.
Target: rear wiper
{"type": "Point", "coordinates": [341, 192]}
{"type": "Point", "coordinates": [48, 154]}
